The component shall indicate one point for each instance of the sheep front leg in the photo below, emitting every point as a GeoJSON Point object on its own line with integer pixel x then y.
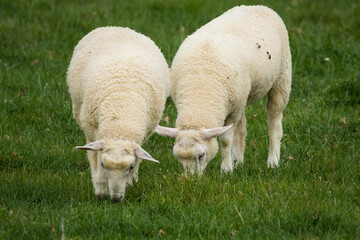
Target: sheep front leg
{"type": "Point", "coordinates": [98, 176]}
{"type": "Point", "coordinates": [226, 142]}
{"type": "Point", "coordinates": [238, 147]}
{"type": "Point", "coordinates": [92, 156]}
{"type": "Point", "coordinates": [101, 189]}
{"type": "Point", "coordinates": [134, 173]}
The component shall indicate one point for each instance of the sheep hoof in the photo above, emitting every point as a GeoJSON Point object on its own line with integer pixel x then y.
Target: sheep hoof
{"type": "Point", "coordinates": [100, 196]}
{"type": "Point", "coordinates": [272, 164]}
{"type": "Point", "coordinates": [238, 160]}
{"type": "Point", "coordinates": [226, 169]}
{"type": "Point", "coordinates": [101, 190]}
{"type": "Point", "coordinates": [237, 163]}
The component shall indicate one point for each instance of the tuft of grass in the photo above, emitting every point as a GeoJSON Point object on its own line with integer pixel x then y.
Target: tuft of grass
{"type": "Point", "coordinates": [345, 92]}
{"type": "Point", "coordinates": [314, 194]}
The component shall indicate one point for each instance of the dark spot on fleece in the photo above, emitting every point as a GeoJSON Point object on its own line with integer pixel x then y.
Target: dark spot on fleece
{"type": "Point", "coordinates": [258, 45]}
{"type": "Point", "coordinates": [268, 54]}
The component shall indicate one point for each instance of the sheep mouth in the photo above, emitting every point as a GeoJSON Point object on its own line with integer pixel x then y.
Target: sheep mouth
{"type": "Point", "coordinates": [117, 197]}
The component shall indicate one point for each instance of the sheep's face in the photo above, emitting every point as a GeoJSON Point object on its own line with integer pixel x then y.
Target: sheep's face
{"type": "Point", "coordinates": [119, 167]}
{"type": "Point", "coordinates": [119, 161]}
{"type": "Point", "coordinates": [194, 152]}
{"type": "Point", "coordinates": [194, 147]}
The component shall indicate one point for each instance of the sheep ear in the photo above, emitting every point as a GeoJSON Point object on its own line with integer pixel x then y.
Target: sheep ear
{"type": "Point", "coordinates": [94, 146]}
{"type": "Point", "coordinates": [142, 154]}
{"type": "Point", "coordinates": [166, 132]}
{"type": "Point", "coordinates": [214, 132]}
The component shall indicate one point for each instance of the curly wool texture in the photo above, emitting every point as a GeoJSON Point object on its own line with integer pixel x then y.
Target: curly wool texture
{"type": "Point", "coordinates": [118, 81]}
{"type": "Point", "coordinates": [230, 62]}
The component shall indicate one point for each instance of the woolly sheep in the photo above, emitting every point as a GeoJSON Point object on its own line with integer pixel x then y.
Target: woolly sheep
{"type": "Point", "coordinates": [232, 61]}
{"type": "Point", "coordinates": [118, 81]}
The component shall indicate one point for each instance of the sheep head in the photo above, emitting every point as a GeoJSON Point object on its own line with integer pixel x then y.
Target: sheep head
{"type": "Point", "coordinates": [119, 160]}
{"type": "Point", "coordinates": [194, 148]}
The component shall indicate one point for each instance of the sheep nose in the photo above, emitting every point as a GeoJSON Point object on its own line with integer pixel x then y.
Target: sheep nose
{"type": "Point", "coordinates": [117, 197]}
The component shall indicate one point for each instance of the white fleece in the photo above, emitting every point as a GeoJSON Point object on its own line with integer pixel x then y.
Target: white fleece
{"type": "Point", "coordinates": [230, 62]}
{"type": "Point", "coordinates": [118, 81]}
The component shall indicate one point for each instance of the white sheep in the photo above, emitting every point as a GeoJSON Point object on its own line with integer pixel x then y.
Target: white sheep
{"type": "Point", "coordinates": [232, 61]}
{"type": "Point", "coordinates": [118, 81]}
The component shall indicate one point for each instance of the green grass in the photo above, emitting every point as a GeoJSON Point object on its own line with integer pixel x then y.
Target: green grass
{"type": "Point", "coordinates": [315, 194]}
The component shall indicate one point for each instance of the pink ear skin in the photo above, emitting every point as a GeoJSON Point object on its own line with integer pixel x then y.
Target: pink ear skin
{"type": "Point", "coordinates": [142, 154]}
{"type": "Point", "coordinates": [166, 132]}
{"type": "Point", "coordinates": [93, 146]}
{"type": "Point", "coordinates": [214, 132]}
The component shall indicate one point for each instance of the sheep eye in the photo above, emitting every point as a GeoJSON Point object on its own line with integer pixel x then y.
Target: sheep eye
{"type": "Point", "coordinates": [102, 164]}
{"type": "Point", "coordinates": [131, 167]}
{"type": "Point", "coordinates": [201, 156]}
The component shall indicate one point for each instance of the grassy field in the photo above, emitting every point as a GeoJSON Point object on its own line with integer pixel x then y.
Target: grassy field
{"type": "Point", "coordinates": [315, 194]}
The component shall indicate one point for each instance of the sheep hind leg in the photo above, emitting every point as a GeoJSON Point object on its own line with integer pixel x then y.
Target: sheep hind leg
{"type": "Point", "coordinates": [238, 147]}
{"type": "Point", "coordinates": [277, 100]}
{"type": "Point", "coordinates": [275, 135]}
